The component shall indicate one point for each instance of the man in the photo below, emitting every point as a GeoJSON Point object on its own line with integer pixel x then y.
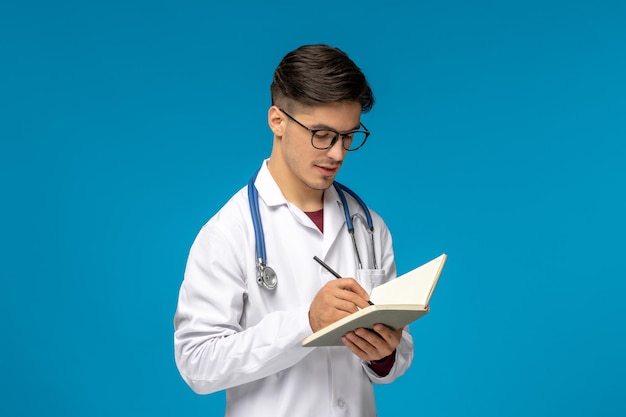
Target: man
{"type": "Point", "coordinates": [234, 333]}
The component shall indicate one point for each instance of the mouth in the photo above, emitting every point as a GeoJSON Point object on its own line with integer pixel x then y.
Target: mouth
{"type": "Point", "coordinates": [327, 170]}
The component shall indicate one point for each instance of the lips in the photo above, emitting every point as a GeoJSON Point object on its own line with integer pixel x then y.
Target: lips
{"type": "Point", "coordinates": [327, 170]}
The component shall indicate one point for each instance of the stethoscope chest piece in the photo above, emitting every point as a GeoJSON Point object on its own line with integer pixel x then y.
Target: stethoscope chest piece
{"type": "Point", "coordinates": [267, 277]}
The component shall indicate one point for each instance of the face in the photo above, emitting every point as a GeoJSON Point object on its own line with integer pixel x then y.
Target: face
{"type": "Point", "coordinates": [297, 165]}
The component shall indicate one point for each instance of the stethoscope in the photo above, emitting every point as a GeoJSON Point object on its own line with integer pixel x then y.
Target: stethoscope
{"type": "Point", "coordinates": [266, 276]}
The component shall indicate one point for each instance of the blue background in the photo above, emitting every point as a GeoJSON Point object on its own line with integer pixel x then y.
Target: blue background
{"type": "Point", "coordinates": [498, 138]}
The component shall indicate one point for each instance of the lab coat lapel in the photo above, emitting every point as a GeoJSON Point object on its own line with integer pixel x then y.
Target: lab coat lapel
{"type": "Point", "coordinates": [334, 218]}
{"type": "Point", "coordinates": [269, 191]}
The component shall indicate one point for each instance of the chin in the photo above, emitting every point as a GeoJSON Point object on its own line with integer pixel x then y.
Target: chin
{"type": "Point", "coordinates": [321, 184]}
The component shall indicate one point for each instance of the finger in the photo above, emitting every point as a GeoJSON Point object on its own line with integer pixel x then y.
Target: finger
{"type": "Point", "coordinates": [344, 305]}
{"type": "Point", "coordinates": [354, 349]}
{"type": "Point", "coordinates": [372, 341]}
{"type": "Point", "coordinates": [380, 347]}
{"type": "Point", "coordinates": [352, 298]}
{"type": "Point", "coordinates": [352, 292]}
{"type": "Point", "coordinates": [367, 345]}
{"type": "Point", "coordinates": [384, 331]}
{"type": "Point", "coordinates": [358, 346]}
{"type": "Point", "coordinates": [390, 335]}
{"type": "Point", "coordinates": [352, 285]}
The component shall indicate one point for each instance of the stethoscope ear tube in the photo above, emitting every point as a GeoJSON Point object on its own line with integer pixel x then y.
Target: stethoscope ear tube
{"type": "Point", "coordinates": [349, 224]}
{"type": "Point", "coordinates": [339, 187]}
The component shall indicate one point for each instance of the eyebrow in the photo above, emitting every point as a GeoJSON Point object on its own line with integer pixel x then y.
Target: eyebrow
{"type": "Point", "coordinates": [320, 126]}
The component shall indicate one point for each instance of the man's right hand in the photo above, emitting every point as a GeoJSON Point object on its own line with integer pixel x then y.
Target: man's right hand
{"type": "Point", "coordinates": [336, 300]}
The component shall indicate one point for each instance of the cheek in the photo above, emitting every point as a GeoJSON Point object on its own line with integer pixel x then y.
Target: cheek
{"type": "Point", "coordinates": [296, 161]}
{"type": "Point", "coordinates": [293, 149]}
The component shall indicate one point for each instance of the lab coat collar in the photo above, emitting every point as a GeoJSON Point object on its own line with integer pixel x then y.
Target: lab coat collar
{"type": "Point", "coordinates": [267, 187]}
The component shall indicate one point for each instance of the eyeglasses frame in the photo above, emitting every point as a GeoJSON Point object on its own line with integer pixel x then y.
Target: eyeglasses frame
{"type": "Point", "coordinates": [337, 134]}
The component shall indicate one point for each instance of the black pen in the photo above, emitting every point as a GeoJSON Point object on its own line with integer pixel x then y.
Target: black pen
{"type": "Point", "coordinates": [332, 271]}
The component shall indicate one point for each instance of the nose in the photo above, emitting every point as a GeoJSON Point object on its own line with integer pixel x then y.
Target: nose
{"type": "Point", "coordinates": [337, 151]}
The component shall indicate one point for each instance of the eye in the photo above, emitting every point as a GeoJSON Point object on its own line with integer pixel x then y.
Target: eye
{"type": "Point", "coordinates": [324, 135]}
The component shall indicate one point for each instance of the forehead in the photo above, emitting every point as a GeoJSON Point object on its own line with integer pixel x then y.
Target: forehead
{"type": "Point", "coordinates": [341, 116]}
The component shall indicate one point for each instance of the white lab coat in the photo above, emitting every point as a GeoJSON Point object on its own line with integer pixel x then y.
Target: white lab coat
{"type": "Point", "coordinates": [232, 334]}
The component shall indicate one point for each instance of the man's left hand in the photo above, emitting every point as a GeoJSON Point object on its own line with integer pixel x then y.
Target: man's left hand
{"type": "Point", "coordinates": [373, 345]}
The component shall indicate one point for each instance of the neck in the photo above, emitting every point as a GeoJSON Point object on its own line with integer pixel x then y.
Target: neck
{"type": "Point", "coordinates": [295, 191]}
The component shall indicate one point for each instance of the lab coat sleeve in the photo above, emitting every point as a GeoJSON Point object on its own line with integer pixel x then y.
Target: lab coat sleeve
{"type": "Point", "coordinates": [213, 351]}
{"type": "Point", "coordinates": [404, 351]}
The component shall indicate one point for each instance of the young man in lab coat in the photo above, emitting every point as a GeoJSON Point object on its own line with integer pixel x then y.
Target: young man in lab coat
{"type": "Point", "coordinates": [235, 334]}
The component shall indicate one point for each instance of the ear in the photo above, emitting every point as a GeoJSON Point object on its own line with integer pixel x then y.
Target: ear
{"type": "Point", "coordinates": [276, 119]}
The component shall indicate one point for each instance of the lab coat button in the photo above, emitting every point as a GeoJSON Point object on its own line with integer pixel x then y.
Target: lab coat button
{"type": "Point", "coordinates": [341, 403]}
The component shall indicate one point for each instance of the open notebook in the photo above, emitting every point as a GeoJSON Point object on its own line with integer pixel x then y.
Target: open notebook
{"type": "Point", "coordinates": [396, 304]}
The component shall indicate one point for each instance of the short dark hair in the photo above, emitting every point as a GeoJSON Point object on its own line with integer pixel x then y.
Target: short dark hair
{"type": "Point", "coordinates": [316, 74]}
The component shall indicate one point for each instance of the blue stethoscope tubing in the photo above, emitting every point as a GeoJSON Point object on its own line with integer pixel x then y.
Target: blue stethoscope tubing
{"type": "Point", "coordinates": [370, 224]}
{"type": "Point", "coordinates": [266, 276]}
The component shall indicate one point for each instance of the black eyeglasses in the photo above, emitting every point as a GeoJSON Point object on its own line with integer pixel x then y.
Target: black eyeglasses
{"type": "Point", "coordinates": [327, 137]}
